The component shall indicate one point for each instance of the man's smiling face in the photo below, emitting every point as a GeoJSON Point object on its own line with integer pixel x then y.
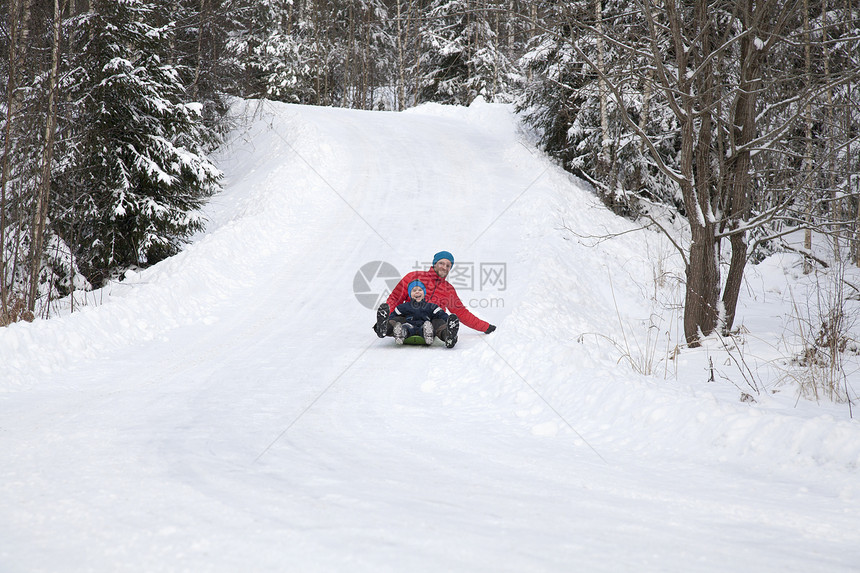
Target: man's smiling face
{"type": "Point", "coordinates": [442, 267]}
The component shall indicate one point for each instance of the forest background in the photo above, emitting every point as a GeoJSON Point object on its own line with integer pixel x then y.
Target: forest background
{"type": "Point", "coordinates": [737, 120]}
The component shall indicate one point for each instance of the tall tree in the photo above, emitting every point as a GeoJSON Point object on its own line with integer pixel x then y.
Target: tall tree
{"type": "Point", "coordinates": [11, 74]}
{"type": "Point", "coordinates": [43, 191]}
{"type": "Point", "coordinates": [136, 173]}
{"type": "Point", "coordinates": [30, 46]}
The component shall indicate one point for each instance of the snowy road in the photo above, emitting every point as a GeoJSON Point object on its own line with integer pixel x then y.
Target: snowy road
{"type": "Point", "coordinates": [230, 409]}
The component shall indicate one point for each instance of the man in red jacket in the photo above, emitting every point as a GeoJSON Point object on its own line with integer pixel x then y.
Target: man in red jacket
{"type": "Point", "coordinates": [440, 292]}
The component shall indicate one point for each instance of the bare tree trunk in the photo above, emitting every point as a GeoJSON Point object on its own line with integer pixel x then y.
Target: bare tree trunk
{"type": "Point", "coordinates": [20, 12]}
{"type": "Point", "coordinates": [807, 160]}
{"type": "Point", "coordinates": [324, 62]}
{"type": "Point", "coordinates": [702, 273]}
{"type": "Point", "coordinates": [347, 70]}
{"type": "Point", "coordinates": [510, 31]}
{"type": "Point", "coordinates": [7, 149]}
{"type": "Point", "coordinates": [44, 192]}
{"type": "Point", "coordinates": [292, 15]}
{"type": "Point", "coordinates": [605, 143]}
{"type": "Point", "coordinates": [533, 14]}
{"type": "Point", "coordinates": [848, 157]}
{"type": "Point", "coordinates": [743, 126]}
{"type": "Point", "coordinates": [702, 276]}
{"type": "Point", "coordinates": [830, 131]}
{"type": "Point", "coordinates": [471, 48]}
{"type": "Point", "coordinates": [417, 85]}
{"type": "Point", "coordinates": [201, 25]}
{"type": "Point", "coordinates": [400, 71]}
{"type": "Point", "coordinates": [317, 23]}
{"type": "Point", "coordinates": [26, 11]}
{"type": "Point", "coordinates": [498, 31]}
{"type": "Point", "coordinates": [647, 93]}
{"type": "Point", "coordinates": [703, 285]}
{"type": "Point", "coordinates": [366, 63]}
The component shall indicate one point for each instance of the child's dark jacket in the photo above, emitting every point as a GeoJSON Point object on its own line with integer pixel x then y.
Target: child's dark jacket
{"type": "Point", "coordinates": [416, 313]}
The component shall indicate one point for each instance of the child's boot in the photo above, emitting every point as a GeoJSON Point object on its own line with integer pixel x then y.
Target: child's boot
{"type": "Point", "coordinates": [427, 331]}
{"type": "Point", "coordinates": [399, 333]}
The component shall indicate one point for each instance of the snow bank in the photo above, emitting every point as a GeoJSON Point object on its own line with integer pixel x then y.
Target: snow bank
{"type": "Point", "coordinates": [249, 225]}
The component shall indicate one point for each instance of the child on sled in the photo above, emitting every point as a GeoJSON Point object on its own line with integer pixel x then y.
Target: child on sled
{"type": "Point", "coordinates": [416, 316]}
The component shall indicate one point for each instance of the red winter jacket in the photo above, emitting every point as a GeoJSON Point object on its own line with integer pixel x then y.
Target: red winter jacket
{"type": "Point", "coordinates": [439, 291]}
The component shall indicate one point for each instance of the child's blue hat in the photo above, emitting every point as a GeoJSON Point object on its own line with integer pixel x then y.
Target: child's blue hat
{"type": "Point", "coordinates": [443, 255]}
{"type": "Point", "coordinates": [414, 284]}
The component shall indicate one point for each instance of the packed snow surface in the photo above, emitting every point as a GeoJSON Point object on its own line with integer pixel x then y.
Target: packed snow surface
{"type": "Point", "coordinates": [230, 409]}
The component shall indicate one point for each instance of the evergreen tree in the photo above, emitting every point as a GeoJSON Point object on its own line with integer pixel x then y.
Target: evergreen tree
{"type": "Point", "coordinates": [579, 121]}
{"type": "Point", "coordinates": [197, 49]}
{"type": "Point", "coordinates": [135, 173]}
{"type": "Point", "coordinates": [461, 57]}
{"type": "Point", "coordinates": [553, 97]}
{"type": "Point", "coordinates": [286, 65]}
{"type": "Point", "coordinates": [368, 46]}
{"type": "Point", "coordinates": [272, 44]}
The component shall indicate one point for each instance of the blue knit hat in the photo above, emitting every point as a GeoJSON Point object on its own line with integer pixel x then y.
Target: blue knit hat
{"type": "Point", "coordinates": [443, 255]}
{"type": "Point", "coordinates": [414, 284]}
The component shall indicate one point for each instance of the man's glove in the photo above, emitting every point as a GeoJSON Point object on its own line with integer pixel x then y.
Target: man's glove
{"type": "Point", "coordinates": [490, 329]}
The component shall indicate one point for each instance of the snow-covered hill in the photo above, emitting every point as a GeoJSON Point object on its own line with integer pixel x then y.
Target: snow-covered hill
{"type": "Point", "coordinates": [230, 409]}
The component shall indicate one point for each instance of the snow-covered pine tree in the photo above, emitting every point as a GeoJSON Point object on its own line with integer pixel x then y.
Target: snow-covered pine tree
{"type": "Point", "coordinates": [273, 43]}
{"type": "Point", "coordinates": [328, 52]}
{"type": "Point", "coordinates": [578, 120]}
{"type": "Point", "coordinates": [553, 97]}
{"type": "Point", "coordinates": [461, 58]}
{"type": "Point", "coordinates": [197, 51]}
{"type": "Point", "coordinates": [250, 24]}
{"type": "Point", "coordinates": [367, 43]}
{"type": "Point", "coordinates": [134, 174]}
{"type": "Point", "coordinates": [285, 60]}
